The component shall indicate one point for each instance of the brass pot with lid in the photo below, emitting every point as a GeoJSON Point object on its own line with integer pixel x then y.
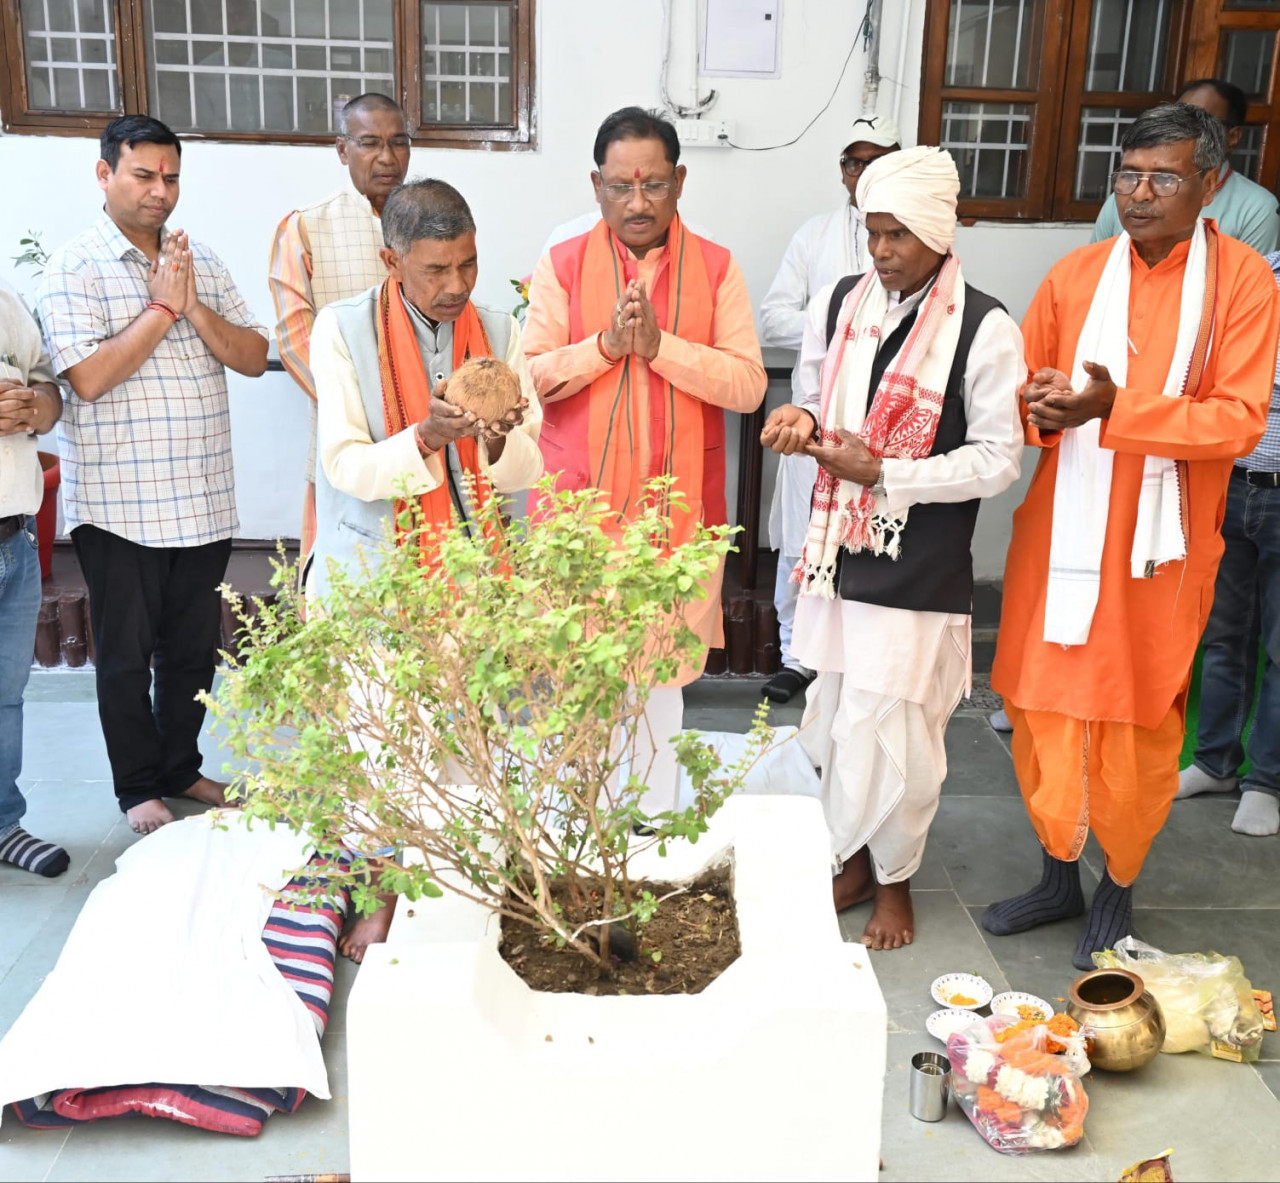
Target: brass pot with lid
{"type": "Point", "coordinates": [1123, 1023]}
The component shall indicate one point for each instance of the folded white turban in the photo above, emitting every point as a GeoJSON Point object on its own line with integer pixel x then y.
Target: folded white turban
{"type": "Point", "coordinates": [918, 186]}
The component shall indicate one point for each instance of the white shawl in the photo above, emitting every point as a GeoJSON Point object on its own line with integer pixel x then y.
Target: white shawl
{"type": "Point", "coordinates": [1082, 492]}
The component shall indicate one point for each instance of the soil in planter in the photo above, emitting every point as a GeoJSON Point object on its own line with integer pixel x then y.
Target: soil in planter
{"type": "Point", "coordinates": [696, 934]}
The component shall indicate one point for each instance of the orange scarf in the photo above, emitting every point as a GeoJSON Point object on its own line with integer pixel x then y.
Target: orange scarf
{"type": "Point", "coordinates": [406, 400]}
{"type": "Point", "coordinates": [678, 427]}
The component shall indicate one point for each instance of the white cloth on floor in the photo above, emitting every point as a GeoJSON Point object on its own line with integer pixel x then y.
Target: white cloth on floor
{"type": "Point", "coordinates": [164, 976]}
{"type": "Point", "coordinates": [874, 723]}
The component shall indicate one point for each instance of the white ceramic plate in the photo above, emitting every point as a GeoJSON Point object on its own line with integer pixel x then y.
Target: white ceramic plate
{"type": "Point", "coordinates": [944, 1023]}
{"type": "Point", "coordinates": [946, 988]}
{"type": "Point", "coordinates": [1008, 1003]}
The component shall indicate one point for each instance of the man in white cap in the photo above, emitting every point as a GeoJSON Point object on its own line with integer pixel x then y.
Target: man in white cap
{"type": "Point", "coordinates": [824, 248]}
{"type": "Point", "coordinates": [910, 382]}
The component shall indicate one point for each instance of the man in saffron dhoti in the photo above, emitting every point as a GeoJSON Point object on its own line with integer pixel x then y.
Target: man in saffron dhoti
{"type": "Point", "coordinates": [1151, 357]}
{"type": "Point", "coordinates": [640, 337]}
{"type": "Point", "coordinates": [380, 361]}
{"type": "Point", "coordinates": [332, 249]}
{"type": "Point", "coordinates": [910, 380]}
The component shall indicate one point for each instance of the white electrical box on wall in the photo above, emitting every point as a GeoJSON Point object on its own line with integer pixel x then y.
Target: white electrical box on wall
{"type": "Point", "coordinates": [706, 133]}
{"type": "Point", "coordinates": [742, 39]}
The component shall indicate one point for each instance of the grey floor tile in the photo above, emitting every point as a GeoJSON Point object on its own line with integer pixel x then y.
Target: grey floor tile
{"type": "Point", "coordinates": [949, 1149]}
{"type": "Point", "coordinates": [64, 685]}
{"type": "Point", "coordinates": [1269, 1072]}
{"type": "Point", "coordinates": [1219, 1118]}
{"type": "Point", "coordinates": [63, 741]}
{"type": "Point", "coordinates": [988, 847]}
{"type": "Point", "coordinates": [945, 942]}
{"type": "Point", "coordinates": [25, 911]}
{"type": "Point", "coordinates": [1038, 961]}
{"type": "Point", "coordinates": [27, 1154]}
{"type": "Point", "coordinates": [952, 1149]}
{"type": "Point", "coordinates": [76, 814]}
{"type": "Point", "coordinates": [978, 764]}
{"type": "Point", "coordinates": [1197, 861]}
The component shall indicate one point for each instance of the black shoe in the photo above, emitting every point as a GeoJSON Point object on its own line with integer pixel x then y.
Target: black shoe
{"type": "Point", "coordinates": [785, 684]}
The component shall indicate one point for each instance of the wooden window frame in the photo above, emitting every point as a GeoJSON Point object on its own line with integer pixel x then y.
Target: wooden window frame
{"type": "Point", "coordinates": [1213, 19]}
{"type": "Point", "coordinates": [1059, 99]}
{"type": "Point", "coordinates": [131, 64]}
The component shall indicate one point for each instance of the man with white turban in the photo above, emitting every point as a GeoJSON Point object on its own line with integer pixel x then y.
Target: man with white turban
{"type": "Point", "coordinates": [823, 249]}
{"type": "Point", "coordinates": [910, 407]}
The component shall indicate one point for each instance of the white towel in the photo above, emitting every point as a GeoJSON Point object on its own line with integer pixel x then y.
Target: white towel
{"type": "Point", "coordinates": [1082, 491]}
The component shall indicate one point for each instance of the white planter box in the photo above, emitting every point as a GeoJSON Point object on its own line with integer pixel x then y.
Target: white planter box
{"type": "Point", "coordinates": [458, 1070]}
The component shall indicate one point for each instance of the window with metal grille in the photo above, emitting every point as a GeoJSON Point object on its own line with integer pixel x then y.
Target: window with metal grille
{"type": "Point", "coordinates": [1032, 97]}
{"type": "Point", "coordinates": [270, 69]}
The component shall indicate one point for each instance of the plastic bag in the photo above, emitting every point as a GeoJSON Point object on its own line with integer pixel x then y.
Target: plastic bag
{"type": "Point", "coordinates": [1207, 1001]}
{"type": "Point", "coordinates": [1019, 1096]}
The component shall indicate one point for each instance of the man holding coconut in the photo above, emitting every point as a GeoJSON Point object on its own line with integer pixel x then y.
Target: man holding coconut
{"type": "Point", "coordinates": [641, 336]}
{"type": "Point", "coordinates": [382, 362]}
{"type": "Point", "coordinates": [910, 380]}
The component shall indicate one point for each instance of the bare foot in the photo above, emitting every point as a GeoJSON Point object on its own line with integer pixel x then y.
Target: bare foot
{"type": "Point", "coordinates": [210, 792]}
{"type": "Point", "coordinates": [149, 816]}
{"type": "Point", "coordinates": [368, 930]}
{"type": "Point", "coordinates": [893, 920]}
{"type": "Point", "coordinates": [855, 882]}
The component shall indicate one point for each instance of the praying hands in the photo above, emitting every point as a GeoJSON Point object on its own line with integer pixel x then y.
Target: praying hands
{"type": "Point", "coordinates": [1053, 406]}
{"type": "Point", "coordinates": [634, 326]}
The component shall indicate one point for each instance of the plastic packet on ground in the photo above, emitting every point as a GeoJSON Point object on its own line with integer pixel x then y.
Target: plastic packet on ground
{"type": "Point", "coordinates": [1207, 1001]}
{"type": "Point", "coordinates": [1019, 1096]}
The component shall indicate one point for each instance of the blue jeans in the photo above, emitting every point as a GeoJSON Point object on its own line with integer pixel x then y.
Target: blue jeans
{"type": "Point", "coordinates": [1246, 608]}
{"type": "Point", "coordinates": [19, 605]}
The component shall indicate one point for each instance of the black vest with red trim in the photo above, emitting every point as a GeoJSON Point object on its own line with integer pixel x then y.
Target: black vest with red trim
{"type": "Point", "coordinates": [934, 569]}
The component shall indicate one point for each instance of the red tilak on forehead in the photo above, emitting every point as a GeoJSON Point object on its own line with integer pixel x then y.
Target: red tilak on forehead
{"type": "Point", "coordinates": [637, 174]}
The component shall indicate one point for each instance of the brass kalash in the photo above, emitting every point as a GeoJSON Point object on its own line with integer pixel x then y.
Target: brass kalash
{"type": "Point", "coordinates": [1123, 1022]}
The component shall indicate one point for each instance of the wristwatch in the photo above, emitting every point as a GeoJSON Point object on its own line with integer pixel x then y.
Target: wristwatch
{"type": "Point", "coordinates": [877, 490]}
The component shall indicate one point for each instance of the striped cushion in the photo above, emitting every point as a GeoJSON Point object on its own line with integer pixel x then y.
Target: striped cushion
{"type": "Point", "coordinates": [301, 934]}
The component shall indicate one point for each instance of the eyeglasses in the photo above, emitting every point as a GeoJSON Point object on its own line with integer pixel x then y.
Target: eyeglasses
{"type": "Point", "coordinates": [853, 165]}
{"type": "Point", "coordinates": [1125, 181]}
{"type": "Point", "coordinates": [373, 144]}
{"type": "Point", "coordinates": [652, 190]}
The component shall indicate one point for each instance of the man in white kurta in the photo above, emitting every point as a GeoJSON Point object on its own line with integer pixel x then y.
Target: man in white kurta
{"type": "Point", "coordinates": [884, 614]}
{"type": "Point", "coordinates": [823, 249]}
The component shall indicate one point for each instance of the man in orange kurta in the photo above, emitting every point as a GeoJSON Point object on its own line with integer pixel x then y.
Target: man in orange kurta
{"type": "Point", "coordinates": [640, 336]}
{"type": "Point", "coordinates": [1098, 711]}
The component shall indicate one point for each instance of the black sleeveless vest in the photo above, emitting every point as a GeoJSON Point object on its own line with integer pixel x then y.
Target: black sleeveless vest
{"type": "Point", "coordinates": [934, 569]}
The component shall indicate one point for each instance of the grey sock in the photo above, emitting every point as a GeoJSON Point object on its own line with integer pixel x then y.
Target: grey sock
{"type": "Point", "coordinates": [1056, 897]}
{"type": "Point", "coordinates": [1258, 814]}
{"type": "Point", "coordinates": [1110, 918]}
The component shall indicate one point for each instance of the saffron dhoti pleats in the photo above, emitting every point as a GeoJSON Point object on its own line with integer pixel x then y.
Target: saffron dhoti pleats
{"type": "Point", "coordinates": [1117, 779]}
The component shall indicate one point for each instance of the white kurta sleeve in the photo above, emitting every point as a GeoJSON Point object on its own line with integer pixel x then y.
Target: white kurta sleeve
{"type": "Point", "coordinates": [782, 310]}
{"type": "Point", "coordinates": [991, 457]}
{"type": "Point", "coordinates": [354, 464]}
{"type": "Point", "coordinates": [520, 464]}
{"type": "Point", "coordinates": [813, 348]}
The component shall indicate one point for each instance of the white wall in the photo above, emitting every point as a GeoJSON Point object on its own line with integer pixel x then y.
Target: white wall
{"type": "Point", "coordinates": [593, 58]}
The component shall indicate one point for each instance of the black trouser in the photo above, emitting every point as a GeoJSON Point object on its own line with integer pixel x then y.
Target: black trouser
{"type": "Point", "coordinates": [150, 602]}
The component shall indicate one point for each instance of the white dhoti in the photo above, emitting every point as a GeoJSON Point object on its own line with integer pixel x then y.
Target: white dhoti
{"type": "Point", "coordinates": [874, 722]}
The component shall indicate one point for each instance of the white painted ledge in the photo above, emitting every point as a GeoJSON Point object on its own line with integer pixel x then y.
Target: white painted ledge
{"type": "Point", "coordinates": [459, 1071]}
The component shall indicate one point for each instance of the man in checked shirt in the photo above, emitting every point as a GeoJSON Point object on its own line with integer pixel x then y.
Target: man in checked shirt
{"type": "Point", "coordinates": [142, 324]}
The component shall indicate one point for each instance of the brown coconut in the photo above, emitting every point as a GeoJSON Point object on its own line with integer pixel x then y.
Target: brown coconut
{"type": "Point", "coordinates": [485, 386]}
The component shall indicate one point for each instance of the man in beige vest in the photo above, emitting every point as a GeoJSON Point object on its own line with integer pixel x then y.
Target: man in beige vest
{"type": "Point", "coordinates": [330, 250]}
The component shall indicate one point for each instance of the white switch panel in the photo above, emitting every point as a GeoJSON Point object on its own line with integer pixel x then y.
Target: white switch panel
{"type": "Point", "coordinates": [706, 133]}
